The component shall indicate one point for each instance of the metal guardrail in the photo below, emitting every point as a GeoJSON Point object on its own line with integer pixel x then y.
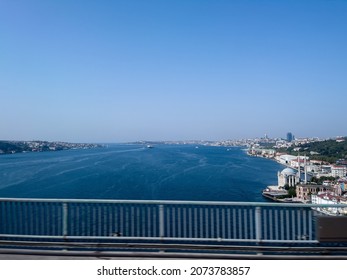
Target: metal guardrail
{"type": "Point", "coordinates": [183, 221]}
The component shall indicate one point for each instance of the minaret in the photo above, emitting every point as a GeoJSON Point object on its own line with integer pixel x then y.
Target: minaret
{"type": "Point", "coordinates": [305, 169]}
{"type": "Point", "coordinates": [279, 178]}
{"type": "Point", "coordinates": [299, 172]}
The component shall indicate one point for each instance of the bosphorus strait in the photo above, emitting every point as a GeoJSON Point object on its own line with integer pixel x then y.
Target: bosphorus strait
{"type": "Point", "coordinates": [166, 172]}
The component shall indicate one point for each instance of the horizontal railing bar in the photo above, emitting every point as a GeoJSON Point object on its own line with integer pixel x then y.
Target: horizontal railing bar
{"type": "Point", "coordinates": [153, 238]}
{"type": "Point", "coordinates": [172, 202]}
{"type": "Point", "coordinates": [162, 255]}
{"type": "Point", "coordinates": [179, 246]}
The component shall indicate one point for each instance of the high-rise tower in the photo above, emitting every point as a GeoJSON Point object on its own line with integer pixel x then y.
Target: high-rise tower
{"type": "Point", "coordinates": [290, 137]}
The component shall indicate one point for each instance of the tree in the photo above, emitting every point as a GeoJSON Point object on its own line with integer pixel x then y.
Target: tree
{"type": "Point", "coordinates": [292, 192]}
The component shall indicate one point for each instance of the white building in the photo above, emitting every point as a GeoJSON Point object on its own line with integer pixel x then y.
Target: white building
{"type": "Point", "coordinates": [295, 163]}
{"type": "Point", "coordinates": [338, 171]}
{"type": "Point", "coordinates": [329, 198]}
{"type": "Point", "coordinates": [325, 171]}
{"type": "Point", "coordinates": [313, 168]}
{"type": "Point", "coordinates": [286, 159]}
{"type": "Point", "coordinates": [288, 177]}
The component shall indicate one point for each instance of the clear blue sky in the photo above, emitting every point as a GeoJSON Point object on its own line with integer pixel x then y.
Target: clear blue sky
{"type": "Point", "coordinates": [114, 71]}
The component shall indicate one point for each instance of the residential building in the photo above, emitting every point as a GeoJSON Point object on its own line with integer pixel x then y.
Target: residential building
{"type": "Point", "coordinates": [338, 171]}
{"type": "Point", "coordinates": [329, 198]}
{"type": "Point", "coordinates": [304, 192]}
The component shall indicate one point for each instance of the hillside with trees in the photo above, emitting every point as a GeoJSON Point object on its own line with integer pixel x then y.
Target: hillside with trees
{"type": "Point", "coordinates": [13, 147]}
{"type": "Point", "coordinates": [329, 151]}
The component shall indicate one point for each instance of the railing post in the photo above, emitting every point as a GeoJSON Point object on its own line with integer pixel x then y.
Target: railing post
{"type": "Point", "coordinates": [258, 224]}
{"type": "Point", "coordinates": [161, 221]}
{"type": "Point", "coordinates": [65, 216]}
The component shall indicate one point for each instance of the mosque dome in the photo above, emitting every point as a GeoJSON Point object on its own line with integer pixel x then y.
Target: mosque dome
{"type": "Point", "coordinates": [288, 171]}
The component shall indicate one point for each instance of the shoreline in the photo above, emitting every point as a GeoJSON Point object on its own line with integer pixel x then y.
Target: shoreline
{"type": "Point", "coordinates": [273, 159]}
{"type": "Point", "coordinates": [274, 197]}
{"type": "Point", "coordinates": [281, 200]}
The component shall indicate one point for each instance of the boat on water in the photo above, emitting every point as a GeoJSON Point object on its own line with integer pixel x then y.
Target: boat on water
{"type": "Point", "coordinates": [150, 147]}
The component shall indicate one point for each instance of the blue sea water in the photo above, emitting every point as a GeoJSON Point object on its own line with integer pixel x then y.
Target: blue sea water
{"type": "Point", "coordinates": [166, 172]}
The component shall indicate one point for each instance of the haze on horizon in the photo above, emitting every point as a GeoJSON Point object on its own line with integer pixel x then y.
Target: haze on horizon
{"type": "Point", "coordinates": [116, 71]}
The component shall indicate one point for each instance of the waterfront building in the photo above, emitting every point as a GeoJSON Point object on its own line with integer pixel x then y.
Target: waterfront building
{"type": "Point", "coordinates": [288, 177]}
{"type": "Point", "coordinates": [260, 152]}
{"type": "Point", "coordinates": [302, 161]}
{"type": "Point", "coordinates": [305, 192]}
{"type": "Point", "coordinates": [285, 159]}
{"type": "Point", "coordinates": [274, 192]}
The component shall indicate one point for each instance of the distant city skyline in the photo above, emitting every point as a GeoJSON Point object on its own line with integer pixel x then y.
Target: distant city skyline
{"type": "Point", "coordinates": [121, 71]}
